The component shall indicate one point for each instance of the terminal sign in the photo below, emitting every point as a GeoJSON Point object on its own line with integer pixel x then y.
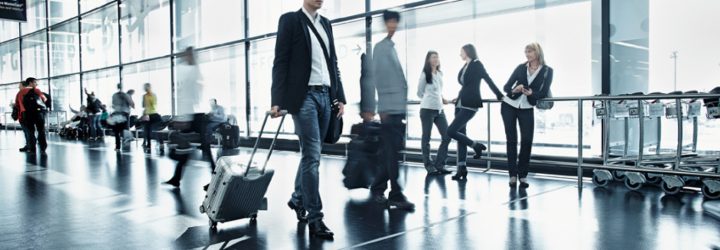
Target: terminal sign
{"type": "Point", "coordinates": [13, 10]}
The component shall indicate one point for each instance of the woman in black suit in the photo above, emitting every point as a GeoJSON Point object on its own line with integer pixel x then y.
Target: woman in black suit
{"type": "Point", "coordinates": [529, 83]}
{"type": "Point", "coordinates": [466, 105]}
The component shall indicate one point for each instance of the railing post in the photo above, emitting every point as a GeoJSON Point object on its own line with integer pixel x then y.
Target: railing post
{"type": "Point", "coordinates": [580, 144]}
{"type": "Point", "coordinates": [641, 133]}
{"type": "Point", "coordinates": [678, 109]}
{"type": "Point", "coordinates": [489, 143]}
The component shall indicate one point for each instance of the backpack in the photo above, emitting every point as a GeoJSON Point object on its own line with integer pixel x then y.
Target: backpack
{"type": "Point", "coordinates": [33, 103]}
{"type": "Point", "coordinates": [48, 101]}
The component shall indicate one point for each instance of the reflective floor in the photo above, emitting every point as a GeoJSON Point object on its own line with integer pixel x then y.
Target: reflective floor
{"type": "Point", "coordinates": [85, 196]}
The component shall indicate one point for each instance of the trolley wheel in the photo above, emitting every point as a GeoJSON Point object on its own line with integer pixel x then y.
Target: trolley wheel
{"type": "Point", "coordinates": [632, 186]}
{"type": "Point", "coordinates": [253, 219]}
{"type": "Point", "coordinates": [213, 225]}
{"type": "Point", "coordinates": [598, 182]}
{"type": "Point", "coordinates": [668, 190]}
{"type": "Point", "coordinates": [710, 195]}
{"type": "Point", "coordinates": [618, 176]}
{"type": "Point", "coordinates": [653, 179]}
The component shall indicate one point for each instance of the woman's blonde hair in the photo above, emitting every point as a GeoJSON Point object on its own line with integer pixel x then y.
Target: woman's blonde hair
{"type": "Point", "coordinates": [538, 50]}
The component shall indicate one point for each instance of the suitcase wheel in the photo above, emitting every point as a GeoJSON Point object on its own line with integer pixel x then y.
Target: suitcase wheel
{"type": "Point", "coordinates": [202, 209]}
{"type": "Point", "coordinates": [213, 225]}
{"type": "Point", "coordinates": [253, 219]}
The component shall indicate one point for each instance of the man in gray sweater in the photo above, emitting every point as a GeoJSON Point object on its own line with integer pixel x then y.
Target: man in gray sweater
{"type": "Point", "coordinates": [388, 79]}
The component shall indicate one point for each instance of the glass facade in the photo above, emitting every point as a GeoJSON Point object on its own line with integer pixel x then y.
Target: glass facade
{"type": "Point", "coordinates": [201, 23]}
{"type": "Point", "coordinates": [145, 29]}
{"type": "Point", "coordinates": [36, 17]}
{"type": "Point", "coordinates": [10, 62]}
{"type": "Point", "coordinates": [99, 35]}
{"type": "Point", "coordinates": [34, 55]}
{"type": "Point", "coordinates": [64, 48]}
{"type": "Point", "coordinates": [98, 43]}
{"type": "Point", "coordinates": [8, 30]}
{"type": "Point", "coordinates": [61, 10]}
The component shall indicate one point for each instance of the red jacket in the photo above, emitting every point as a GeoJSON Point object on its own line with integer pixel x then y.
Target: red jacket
{"type": "Point", "coordinates": [19, 99]}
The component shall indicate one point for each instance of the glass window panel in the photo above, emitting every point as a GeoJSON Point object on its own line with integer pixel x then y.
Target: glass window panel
{"type": "Point", "coordinates": [146, 29]}
{"type": "Point", "coordinates": [61, 10]}
{"type": "Point", "coordinates": [35, 17]}
{"type": "Point", "coordinates": [157, 73]}
{"type": "Point", "coordinates": [264, 15]}
{"type": "Point", "coordinates": [665, 46]}
{"type": "Point", "coordinates": [9, 30]}
{"type": "Point", "coordinates": [207, 22]}
{"type": "Point", "coordinates": [66, 93]}
{"type": "Point", "coordinates": [100, 38]}
{"type": "Point", "coordinates": [87, 5]}
{"type": "Point", "coordinates": [223, 74]}
{"type": "Point", "coordinates": [34, 55]}
{"type": "Point", "coordinates": [10, 62]}
{"type": "Point", "coordinates": [64, 49]}
{"type": "Point", "coordinates": [261, 61]}
{"type": "Point", "coordinates": [102, 82]}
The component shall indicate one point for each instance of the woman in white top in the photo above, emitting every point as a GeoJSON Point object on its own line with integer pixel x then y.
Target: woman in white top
{"type": "Point", "coordinates": [529, 82]}
{"type": "Point", "coordinates": [430, 89]}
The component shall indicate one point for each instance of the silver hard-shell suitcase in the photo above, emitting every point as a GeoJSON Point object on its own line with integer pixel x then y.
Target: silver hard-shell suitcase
{"type": "Point", "coordinates": [237, 190]}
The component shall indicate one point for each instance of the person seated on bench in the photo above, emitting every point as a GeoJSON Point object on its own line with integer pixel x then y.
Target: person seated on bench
{"type": "Point", "coordinates": [215, 118]}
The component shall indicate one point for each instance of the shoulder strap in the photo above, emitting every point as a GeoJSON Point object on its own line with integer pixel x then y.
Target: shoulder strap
{"type": "Point", "coordinates": [319, 38]}
{"type": "Point", "coordinates": [322, 44]}
{"type": "Point", "coordinates": [544, 78]}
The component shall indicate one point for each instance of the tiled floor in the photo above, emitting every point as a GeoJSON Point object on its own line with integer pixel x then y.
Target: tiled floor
{"type": "Point", "coordinates": [85, 196]}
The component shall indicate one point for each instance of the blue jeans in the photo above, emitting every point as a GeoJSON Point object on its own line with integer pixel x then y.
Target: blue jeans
{"type": "Point", "coordinates": [311, 125]}
{"type": "Point", "coordinates": [95, 129]}
{"type": "Point", "coordinates": [457, 131]}
{"type": "Point", "coordinates": [427, 118]}
{"type": "Point", "coordinates": [209, 130]}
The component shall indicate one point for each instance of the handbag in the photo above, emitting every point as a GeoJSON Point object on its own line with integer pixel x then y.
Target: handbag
{"type": "Point", "coordinates": [336, 123]}
{"type": "Point", "coordinates": [542, 104]}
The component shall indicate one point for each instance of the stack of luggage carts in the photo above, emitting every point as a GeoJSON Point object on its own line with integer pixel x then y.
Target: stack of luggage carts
{"type": "Point", "coordinates": [679, 163]}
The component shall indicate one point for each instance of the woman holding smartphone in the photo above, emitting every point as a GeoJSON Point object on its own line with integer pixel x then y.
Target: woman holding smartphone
{"type": "Point", "coordinates": [466, 105]}
{"type": "Point", "coordinates": [529, 82]}
{"type": "Point", "coordinates": [430, 90]}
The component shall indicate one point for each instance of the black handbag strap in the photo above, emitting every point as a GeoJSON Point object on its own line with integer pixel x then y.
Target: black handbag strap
{"type": "Point", "coordinates": [322, 43]}
{"type": "Point", "coordinates": [542, 86]}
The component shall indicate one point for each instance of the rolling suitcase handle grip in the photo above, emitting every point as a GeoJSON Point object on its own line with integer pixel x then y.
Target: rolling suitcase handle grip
{"type": "Point", "coordinates": [283, 113]}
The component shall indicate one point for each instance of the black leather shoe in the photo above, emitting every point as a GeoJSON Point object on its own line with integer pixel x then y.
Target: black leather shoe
{"type": "Point", "coordinates": [319, 230]}
{"type": "Point", "coordinates": [479, 147]}
{"type": "Point", "coordinates": [524, 184]}
{"type": "Point", "coordinates": [379, 198]}
{"type": "Point", "coordinates": [402, 204]}
{"type": "Point", "coordinates": [24, 149]}
{"type": "Point", "coordinates": [300, 212]}
{"type": "Point", "coordinates": [206, 187]}
{"type": "Point", "coordinates": [443, 171]}
{"type": "Point", "coordinates": [461, 174]}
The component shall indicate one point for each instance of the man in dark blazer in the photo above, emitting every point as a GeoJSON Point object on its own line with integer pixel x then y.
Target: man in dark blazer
{"type": "Point", "coordinates": [306, 83]}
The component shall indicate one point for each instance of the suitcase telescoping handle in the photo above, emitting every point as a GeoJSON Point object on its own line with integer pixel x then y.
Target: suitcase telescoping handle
{"type": "Point", "coordinates": [283, 113]}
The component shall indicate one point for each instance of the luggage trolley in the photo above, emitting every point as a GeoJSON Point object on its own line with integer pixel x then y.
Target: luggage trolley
{"type": "Point", "coordinates": [686, 156]}
{"type": "Point", "coordinates": [684, 159]}
{"type": "Point", "coordinates": [618, 154]}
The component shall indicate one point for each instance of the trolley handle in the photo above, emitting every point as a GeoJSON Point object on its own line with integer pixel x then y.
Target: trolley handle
{"type": "Point", "coordinates": [283, 113]}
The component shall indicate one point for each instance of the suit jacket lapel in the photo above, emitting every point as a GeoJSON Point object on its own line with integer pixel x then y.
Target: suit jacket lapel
{"type": "Point", "coordinates": [303, 25]}
{"type": "Point", "coordinates": [538, 76]}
